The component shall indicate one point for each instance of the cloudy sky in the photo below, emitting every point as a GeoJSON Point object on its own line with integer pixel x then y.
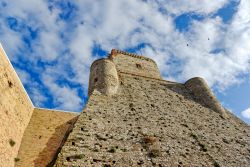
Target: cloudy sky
{"type": "Point", "coordinates": [52, 44]}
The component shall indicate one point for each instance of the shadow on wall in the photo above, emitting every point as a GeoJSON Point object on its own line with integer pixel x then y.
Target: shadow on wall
{"type": "Point", "coordinates": [48, 155]}
{"type": "Point", "coordinates": [196, 89]}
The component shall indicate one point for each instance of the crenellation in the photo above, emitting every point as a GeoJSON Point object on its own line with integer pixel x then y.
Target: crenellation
{"type": "Point", "coordinates": [134, 64]}
{"type": "Point", "coordinates": [115, 52]}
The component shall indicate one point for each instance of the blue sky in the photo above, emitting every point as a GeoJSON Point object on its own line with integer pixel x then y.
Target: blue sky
{"type": "Point", "coordinates": [52, 44]}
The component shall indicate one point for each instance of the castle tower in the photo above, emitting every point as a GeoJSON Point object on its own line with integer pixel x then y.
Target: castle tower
{"type": "Point", "coordinates": [135, 118]}
{"type": "Point", "coordinates": [103, 77]}
{"type": "Point", "coordinates": [132, 118]}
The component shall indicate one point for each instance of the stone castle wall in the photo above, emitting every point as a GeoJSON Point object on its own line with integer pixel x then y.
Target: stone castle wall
{"type": "Point", "coordinates": [134, 64]}
{"type": "Point", "coordinates": [132, 118]}
{"type": "Point", "coordinates": [204, 95]}
{"type": "Point", "coordinates": [43, 137]}
{"type": "Point", "coordinates": [152, 122]}
{"type": "Point", "coordinates": [15, 111]}
{"type": "Point", "coordinates": [28, 136]}
{"type": "Point", "coordinates": [103, 77]}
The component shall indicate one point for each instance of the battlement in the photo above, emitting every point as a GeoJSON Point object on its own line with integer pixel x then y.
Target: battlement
{"type": "Point", "coordinates": [115, 52]}
{"type": "Point", "coordinates": [134, 64]}
{"type": "Point", "coordinates": [105, 72]}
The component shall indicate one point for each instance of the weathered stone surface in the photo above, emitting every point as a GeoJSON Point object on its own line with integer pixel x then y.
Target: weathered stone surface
{"type": "Point", "coordinates": [132, 118]}
{"type": "Point", "coordinates": [15, 112]}
{"type": "Point", "coordinates": [204, 95]}
{"type": "Point", "coordinates": [152, 122]}
{"type": "Point", "coordinates": [130, 63]}
{"type": "Point", "coordinates": [103, 77]}
{"type": "Point", "coordinates": [44, 136]}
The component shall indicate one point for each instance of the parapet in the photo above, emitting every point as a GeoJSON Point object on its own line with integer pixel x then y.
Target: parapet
{"type": "Point", "coordinates": [104, 72]}
{"type": "Point", "coordinates": [204, 95]}
{"type": "Point", "coordinates": [134, 64]}
{"type": "Point", "coordinates": [104, 77]}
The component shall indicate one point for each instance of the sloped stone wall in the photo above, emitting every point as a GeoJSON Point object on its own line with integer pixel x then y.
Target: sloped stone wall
{"type": "Point", "coordinates": [204, 95]}
{"type": "Point", "coordinates": [15, 112]}
{"type": "Point", "coordinates": [43, 137]}
{"type": "Point", "coordinates": [154, 123]}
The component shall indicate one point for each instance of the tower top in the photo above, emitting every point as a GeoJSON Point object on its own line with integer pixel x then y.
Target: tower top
{"type": "Point", "coordinates": [115, 52]}
{"type": "Point", "coordinates": [134, 64]}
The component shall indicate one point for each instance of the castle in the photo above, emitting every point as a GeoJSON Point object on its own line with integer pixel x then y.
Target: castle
{"type": "Point", "coordinates": [132, 118]}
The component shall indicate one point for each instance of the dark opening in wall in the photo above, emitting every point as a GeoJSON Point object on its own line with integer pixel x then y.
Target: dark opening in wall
{"type": "Point", "coordinates": [95, 80]}
{"type": "Point", "coordinates": [138, 66]}
{"type": "Point", "coordinates": [12, 142]}
{"type": "Point", "coordinates": [10, 84]}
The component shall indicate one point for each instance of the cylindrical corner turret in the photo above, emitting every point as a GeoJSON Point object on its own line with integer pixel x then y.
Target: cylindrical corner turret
{"type": "Point", "coordinates": [205, 96]}
{"type": "Point", "coordinates": [103, 77]}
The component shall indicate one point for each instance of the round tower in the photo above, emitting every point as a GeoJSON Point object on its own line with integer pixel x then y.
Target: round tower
{"type": "Point", "coordinates": [103, 77]}
{"type": "Point", "coordinates": [205, 96]}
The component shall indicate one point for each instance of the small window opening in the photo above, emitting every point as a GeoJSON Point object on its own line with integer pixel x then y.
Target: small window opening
{"type": "Point", "coordinates": [96, 79]}
{"type": "Point", "coordinates": [138, 66]}
{"type": "Point", "coordinates": [10, 84]}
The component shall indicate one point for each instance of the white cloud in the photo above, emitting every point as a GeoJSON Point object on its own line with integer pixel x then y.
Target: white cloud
{"type": "Point", "coordinates": [64, 96]}
{"type": "Point", "coordinates": [24, 76]}
{"type": "Point", "coordinates": [124, 24]}
{"type": "Point", "coordinates": [202, 7]}
{"type": "Point", "coordinates": [246, 113]}
{"type": "Point", "coordinates": [38, 98]}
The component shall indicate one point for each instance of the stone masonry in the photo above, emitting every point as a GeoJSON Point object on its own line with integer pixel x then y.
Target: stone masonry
{"type": "Point", "coordinates": [15, 111]}
{"type": "Point", "coordinates": [47, 130]}
{"type": "Point", "coordinates": [134, 118]}
{"type": "Point", "coordinates": [28, 136]}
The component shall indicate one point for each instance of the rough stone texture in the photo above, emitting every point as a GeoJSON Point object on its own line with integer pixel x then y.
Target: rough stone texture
{"type": "Point", "coordinates": [15, 112]}
{"type": "Point", "coordinates": [131, 63]}
{"type": "Point", "coordinates": [45, 132]}
{"type": "Point", "coordinates": [44, 136]}
{"type": "Point", "coordinates": [152, 122]}
{"type": "Point", "coordinates": [103, 77]}
{"type": "Point", "coordinates": [204, 95]}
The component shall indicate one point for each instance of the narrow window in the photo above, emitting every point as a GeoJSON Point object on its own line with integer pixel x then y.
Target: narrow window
{"type": "Point", "coordinates": [10, 84]}
{"type": "Point", "coordinates": [95, 80]}
{"type": "Point", "coordinates": [138, 66]}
